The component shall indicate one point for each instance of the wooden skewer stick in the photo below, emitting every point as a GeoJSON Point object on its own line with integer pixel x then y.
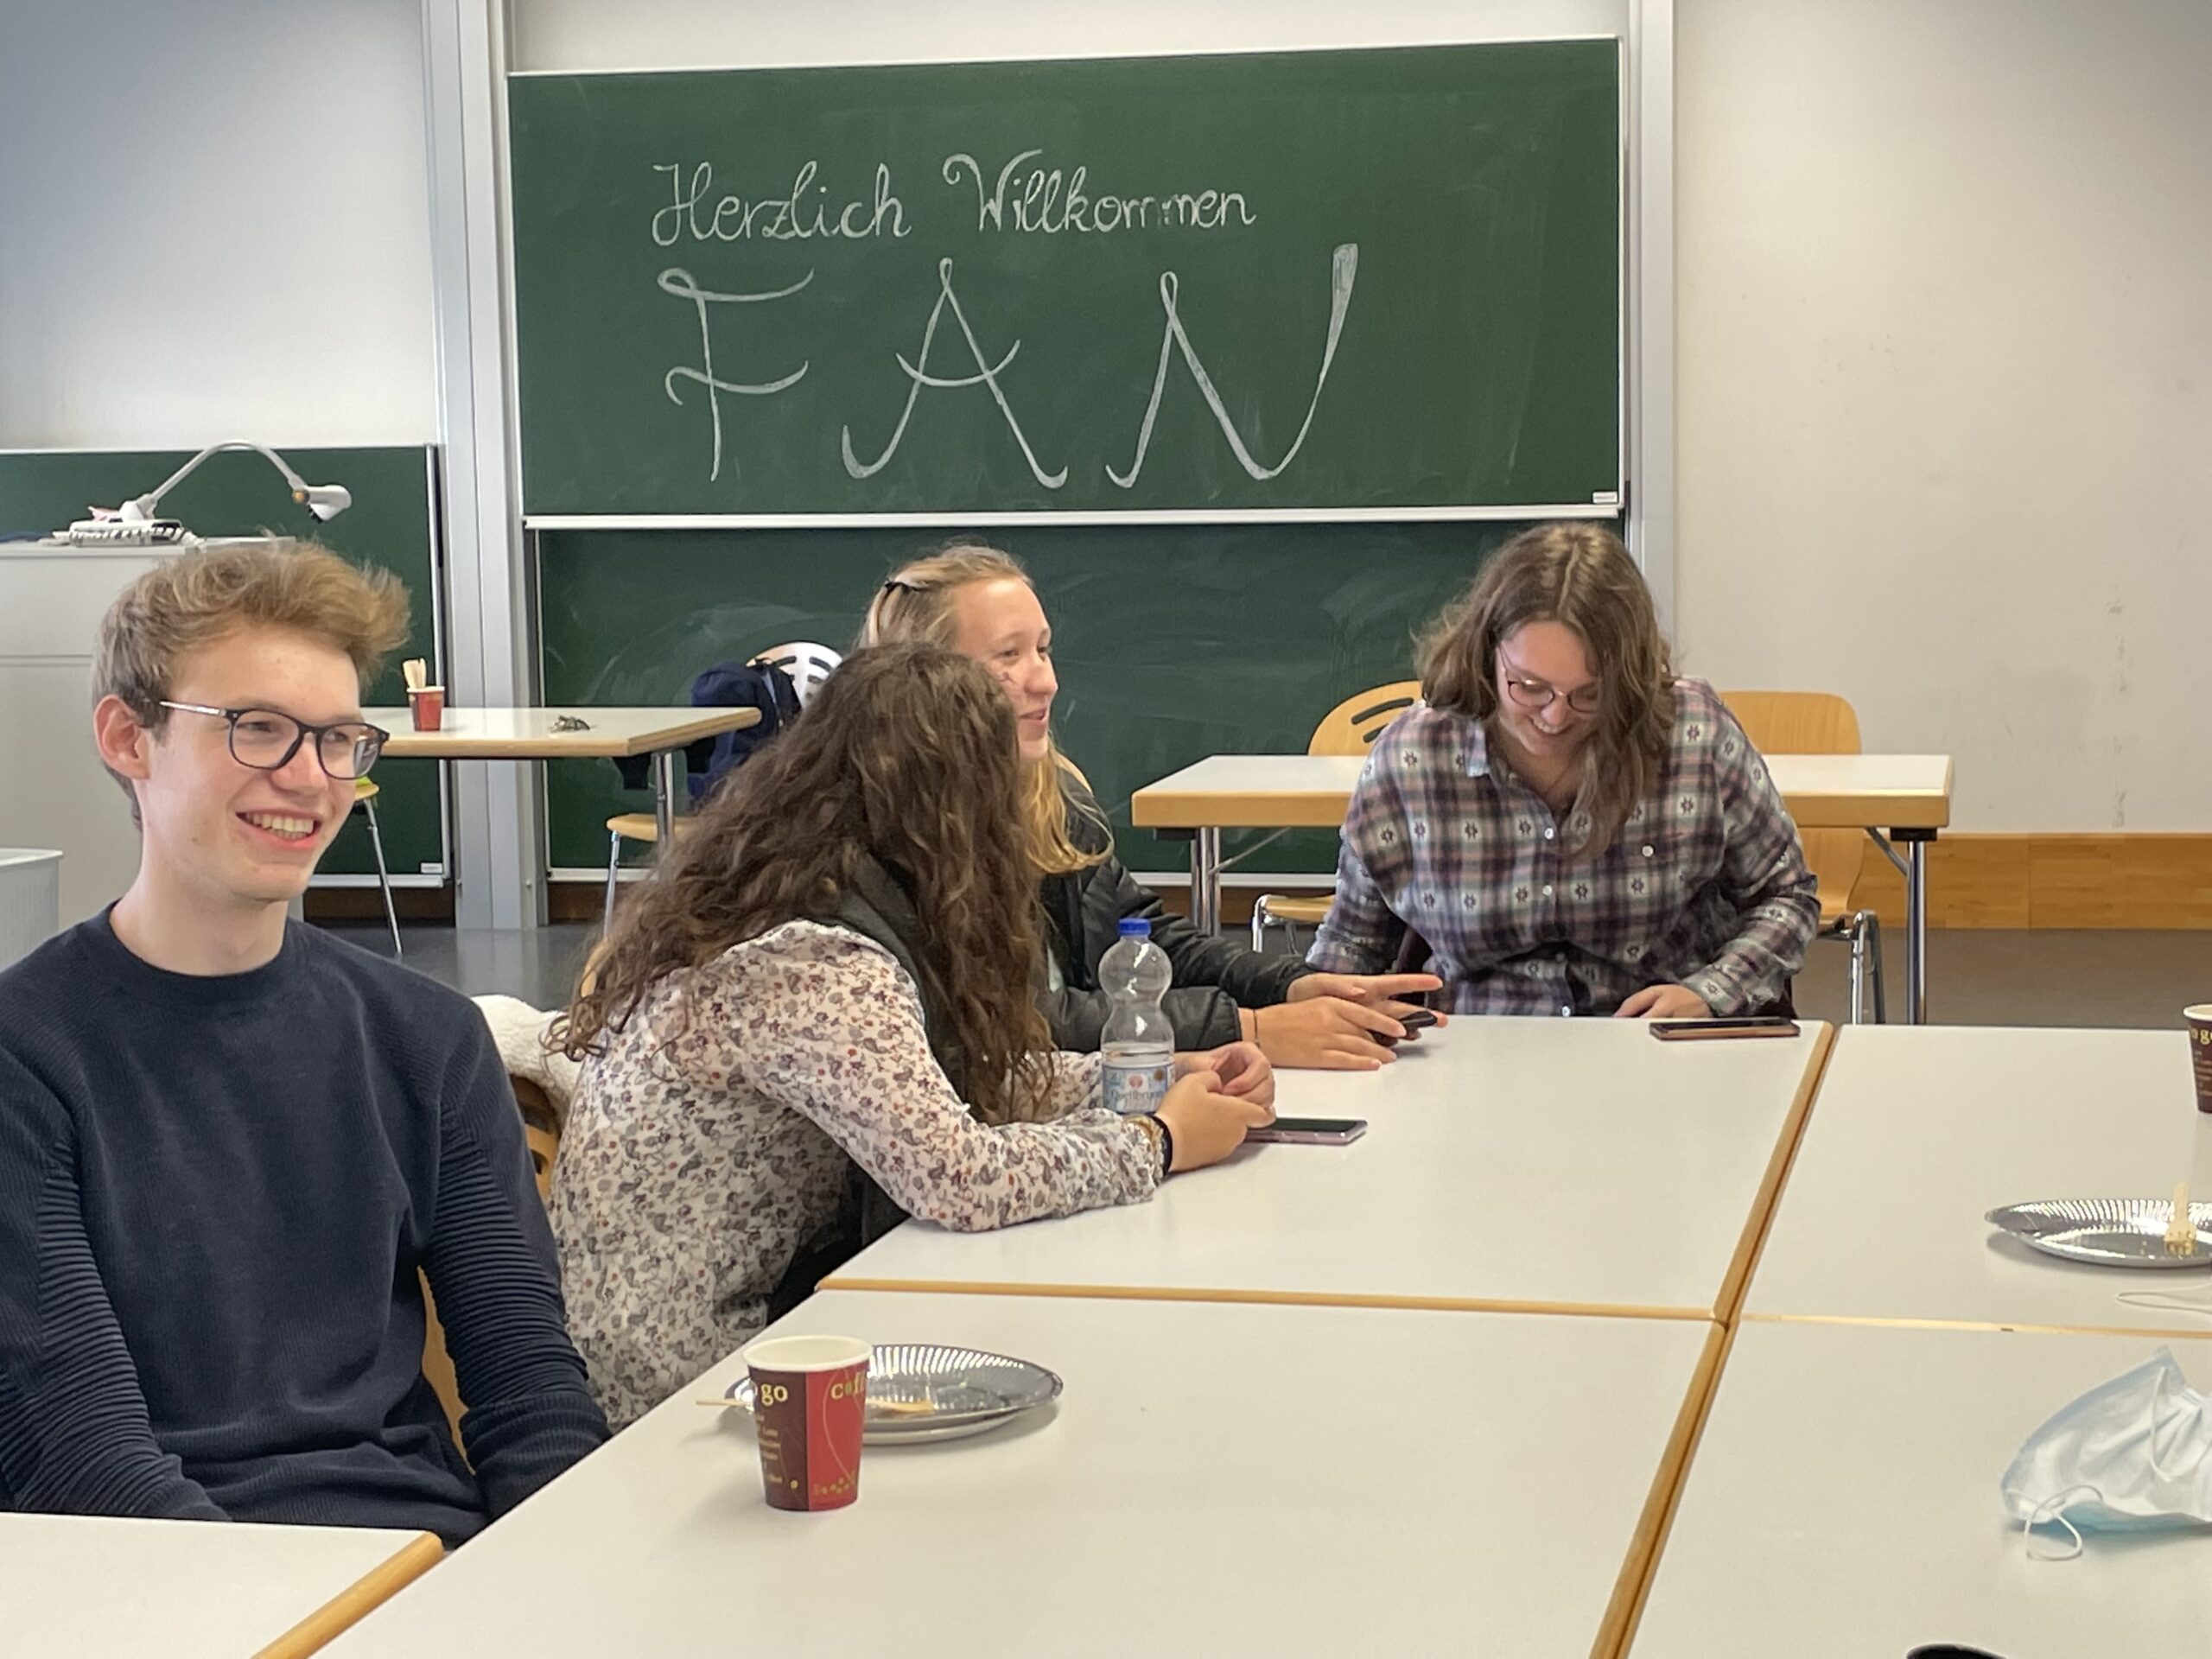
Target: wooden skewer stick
{"type": "Point", "coordinates": [2181, 1228]}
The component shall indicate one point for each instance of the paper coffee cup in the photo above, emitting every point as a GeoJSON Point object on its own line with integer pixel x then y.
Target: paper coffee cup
{"type": "Point", "coordinates": [2199, 1019]}
{"type": "Point", "coordinates": [809, 1403]}
{"type": "Point", "coordinates": [428, 706]}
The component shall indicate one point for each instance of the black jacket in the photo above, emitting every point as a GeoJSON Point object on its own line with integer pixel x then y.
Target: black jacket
{"type": "Point", "coordinates": [1213, 977]}
{"type": "Point", "coordinates": [876, 907]}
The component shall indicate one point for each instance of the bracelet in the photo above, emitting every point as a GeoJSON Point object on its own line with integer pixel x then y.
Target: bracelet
{"type": "Point", "coordinates": [1166, 1145]}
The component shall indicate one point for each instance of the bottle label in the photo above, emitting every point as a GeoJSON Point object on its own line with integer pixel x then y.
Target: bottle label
{"type": "Point", "coordinates": [1134, 1090]}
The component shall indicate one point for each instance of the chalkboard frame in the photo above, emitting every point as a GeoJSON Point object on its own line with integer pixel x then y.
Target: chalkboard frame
{"type": "Point", "coordinates": [1610, 506]}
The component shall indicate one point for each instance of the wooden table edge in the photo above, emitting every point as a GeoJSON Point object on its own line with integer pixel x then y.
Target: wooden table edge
{"type": "Point", "coordinates": [1735, 1284]}
{"type": "Point", "coordinates": [1269, 1298]}
{"type": "Point", "coordinates": [410, 745]}
{"type": "Point", "coordinates": [1656, 1524]}
{"type": "Point", "coordinates": [2001, 1327]}
{"type": "Point", "coordinates": [1241, 809]}
{"type": "Point", "coordinates": [367, 1593]}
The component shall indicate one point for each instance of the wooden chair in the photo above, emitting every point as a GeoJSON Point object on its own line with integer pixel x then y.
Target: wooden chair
{"type": "Point", "coordinates": [541, 1132]}
{"type": "Point", "coordinates": [364, 797]}
{"type": "Point", "coordinates": [808, 666]}
{"type": "Point", "coordinates": [1351, 727]}
{"type": "Point", "coordinates": [1820, 723]}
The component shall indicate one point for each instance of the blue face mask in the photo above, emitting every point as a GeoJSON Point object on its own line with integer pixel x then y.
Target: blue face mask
{"type": "Point", "coordinates": [2132, 1454]}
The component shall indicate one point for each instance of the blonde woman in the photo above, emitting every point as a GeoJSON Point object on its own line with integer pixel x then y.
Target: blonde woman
{"type": "Point", "coordinates": [979, 601]}
{"type": "Point", "coordinates": [1571, 828]}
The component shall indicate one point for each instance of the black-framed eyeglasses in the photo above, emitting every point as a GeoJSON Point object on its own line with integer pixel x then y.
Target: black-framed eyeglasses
{"type": "Point", "coordinates": [1537, 694]}
{"type": "Point", "coordinates": [267, 739]}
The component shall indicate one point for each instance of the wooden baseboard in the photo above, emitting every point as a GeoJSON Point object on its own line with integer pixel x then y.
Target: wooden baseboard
{"type": "Point", "coordinates": [2116, 880]}
{"type": "Point", "coordinates": [366, 904]}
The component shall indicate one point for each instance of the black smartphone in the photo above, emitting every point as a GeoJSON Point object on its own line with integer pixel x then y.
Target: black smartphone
{"type": "Point", "coordinates": [1746, 1025]}
{"type": "Point", "coordinates": [1419, 1019]}
{"type": "Point", "coordinates": [1311, 1131]}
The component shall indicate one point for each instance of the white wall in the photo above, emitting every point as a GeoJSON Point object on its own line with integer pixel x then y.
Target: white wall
{"type": "Point", "coordinates": [1944, 402]}
{"type": "Point", "coordinates": [589, 35]}
{"type": "Point", "coordinates": [213, 223]}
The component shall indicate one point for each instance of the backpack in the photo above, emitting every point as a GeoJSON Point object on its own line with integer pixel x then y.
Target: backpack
{"type": "Point", "coordinates": [726, 685]}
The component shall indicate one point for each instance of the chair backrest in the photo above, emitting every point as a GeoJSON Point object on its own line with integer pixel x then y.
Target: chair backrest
{"type": "Point", "coordinates": [1350, 726]}
{"type": "Point", "coordinates": [808, 664]}
{"type": "Point", "coordinates": [1809, 722]}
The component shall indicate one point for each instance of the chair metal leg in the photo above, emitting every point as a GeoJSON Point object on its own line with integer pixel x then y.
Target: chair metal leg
{"type": "Point", "coordinates": [1871, 926]}
{"type": "Point", "coordinates": [383, 878]}
{"type": "Point", "coordinates": [1855, 936]}
{"type": "Point", "coordinates": [1260, 923]}
{"type": "Point", "coordinates": [613, 869]}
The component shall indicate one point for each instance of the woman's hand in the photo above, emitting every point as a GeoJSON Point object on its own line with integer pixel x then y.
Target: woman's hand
{"type": "Point", "coordinates": [1380, 991]}
{"type": "Point", "coordinates": [1208, 1126]}
{"type": "Point", "coordinates": [1239, 1071]}
{"type": "Point", "coordinates": [1664, 1002]}
{"type": "Point", "coordinates": [1326, 1034]}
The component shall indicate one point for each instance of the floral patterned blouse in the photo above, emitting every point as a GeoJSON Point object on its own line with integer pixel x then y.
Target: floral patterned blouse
{"type": "Point", "coordinates": [690, 1177]}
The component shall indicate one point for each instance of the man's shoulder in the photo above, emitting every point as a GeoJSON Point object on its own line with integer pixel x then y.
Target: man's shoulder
{"type": "Point", "coordinates": [397, 1003]}
{"type": "Point", "coordinates": [54, 977]}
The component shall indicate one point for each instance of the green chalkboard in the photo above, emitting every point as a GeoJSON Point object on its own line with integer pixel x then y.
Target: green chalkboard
{"type": "Point", "coordinates": [1172, 643]}
{"type": "Point", "coordinates": [238, 493]}
{"type": "Point", "coordinates": [1367, 280]}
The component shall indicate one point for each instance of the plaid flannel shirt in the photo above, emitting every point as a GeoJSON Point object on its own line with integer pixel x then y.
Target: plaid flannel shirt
{"type": "Point", "coordinates": [1705, 886]}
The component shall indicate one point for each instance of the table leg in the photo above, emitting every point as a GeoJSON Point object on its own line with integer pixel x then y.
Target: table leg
{"type": "Point", "coordinates": [1205, 880]}
{"type": "Point", "coordinates": [1916, 924]}
{"type": "Point", "coordinates": [666, 783]}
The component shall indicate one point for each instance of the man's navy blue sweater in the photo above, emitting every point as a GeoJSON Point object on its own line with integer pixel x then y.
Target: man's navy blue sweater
{"type": "Point", "coordinates": [214, 1197]}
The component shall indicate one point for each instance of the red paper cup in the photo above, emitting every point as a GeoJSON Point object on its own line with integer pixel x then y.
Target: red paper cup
{"type": "Point", "coordinates": [2200, 1052]}
{"type": "Point", "coordinates": [429, 707]}
{"type": "Point", "coordinates": [809, 1397]}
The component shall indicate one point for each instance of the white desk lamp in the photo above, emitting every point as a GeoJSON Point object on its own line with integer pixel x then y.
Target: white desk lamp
{"type": "Point", "coordinates": [134, 525]}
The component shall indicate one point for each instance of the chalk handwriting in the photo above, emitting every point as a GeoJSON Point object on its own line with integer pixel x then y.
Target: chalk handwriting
{"type": "Point", "coordinates": [797, 216]}
{"type": "Point", "coordinates": [987, 374]}
{"type": "Point", "coordinates": [678, 282]}
{"type": "Point", "coordinates": [1047, 201]}
{"type": "Point", "coordinates": [1344, 271]}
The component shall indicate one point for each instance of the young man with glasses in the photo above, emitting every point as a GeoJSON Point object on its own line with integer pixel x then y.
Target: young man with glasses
{"type": "Point", "coordinates": [228, 1141]}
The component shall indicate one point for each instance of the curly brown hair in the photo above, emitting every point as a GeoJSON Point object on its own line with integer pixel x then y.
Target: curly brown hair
{"type": "Point", "coordinates": [1580, 576]}
{"type": "Point", "coordinates": [906, 755]}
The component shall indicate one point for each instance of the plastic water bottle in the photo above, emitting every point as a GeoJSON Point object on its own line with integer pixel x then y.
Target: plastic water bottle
{"type": "Point", "coordinates": [1138, 1045]}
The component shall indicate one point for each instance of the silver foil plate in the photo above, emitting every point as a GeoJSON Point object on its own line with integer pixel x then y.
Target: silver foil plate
{"type": "Point", "coordinates": [2108, 1232]}
{"type": "Point", "coordinates": [925, 1391]}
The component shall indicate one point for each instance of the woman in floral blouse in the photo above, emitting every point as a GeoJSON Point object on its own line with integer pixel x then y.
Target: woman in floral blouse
{"type": "Point", "coordinates": [1569, 827]}
{"type": "Point", "coordinates": [835, 965]}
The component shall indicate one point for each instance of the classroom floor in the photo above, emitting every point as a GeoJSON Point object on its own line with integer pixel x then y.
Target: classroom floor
{"type": "Point", "coordinates": [1975, 978]}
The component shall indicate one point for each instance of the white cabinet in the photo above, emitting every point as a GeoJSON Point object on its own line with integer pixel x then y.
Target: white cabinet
{"type": "Point", "coordinates": [53, 792]}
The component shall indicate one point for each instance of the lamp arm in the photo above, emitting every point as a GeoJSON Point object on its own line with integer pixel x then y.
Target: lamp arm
{"type": "Point", "coordinates": [142, 507]}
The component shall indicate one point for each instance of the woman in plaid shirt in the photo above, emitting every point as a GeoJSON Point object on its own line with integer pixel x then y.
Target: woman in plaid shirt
{"type": "Point", "coordinates": [1569, 827]}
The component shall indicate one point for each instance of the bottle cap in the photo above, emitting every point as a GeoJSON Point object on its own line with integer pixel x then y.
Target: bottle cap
{"type": "Point", "coordinates": [1135, 927]}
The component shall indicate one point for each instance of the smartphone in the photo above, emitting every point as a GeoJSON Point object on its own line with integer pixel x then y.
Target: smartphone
{"type": "Point", "coordinates": [1311, 1131]}
{"type": "Point", "coordinates": [1707, 1030]}
{"type": "Point", "coordinates": [1419, 1019]}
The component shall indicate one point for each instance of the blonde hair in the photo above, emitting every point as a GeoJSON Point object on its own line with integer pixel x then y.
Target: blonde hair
{"type": "Point", "coordinates": [1580, 576]}
{"type": "Point", "coordinates": [192, 600]}
{"type": "Point", "coordinates": [917, 602]}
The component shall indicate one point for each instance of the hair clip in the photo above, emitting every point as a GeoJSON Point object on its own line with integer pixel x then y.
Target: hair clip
{"type": "Point", "coordinates": [896, 585]}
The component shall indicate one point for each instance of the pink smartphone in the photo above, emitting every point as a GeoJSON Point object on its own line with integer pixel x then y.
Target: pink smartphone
{"type": "Point", "coordinates": [1707, 1031]}
{"type": "Point", "coordinates": [1311, 1131]}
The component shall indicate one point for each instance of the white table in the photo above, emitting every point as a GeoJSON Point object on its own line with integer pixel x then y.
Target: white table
{"type": "Point", "coordinates": [1907, 796]}
{"type": "Point", "coordinates": [1199, 1488]}
{"type": "Point", "coordinates": [611, 733]}
{"type": "Point", "coordinates": [1552, 1164]}
{"type": "Point", "coordinates": [96, 1585]}
{"type": "Point", "coordinates": [1843, 1503]}
{"type": "Point", "coordinates": [1919, 1133]}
